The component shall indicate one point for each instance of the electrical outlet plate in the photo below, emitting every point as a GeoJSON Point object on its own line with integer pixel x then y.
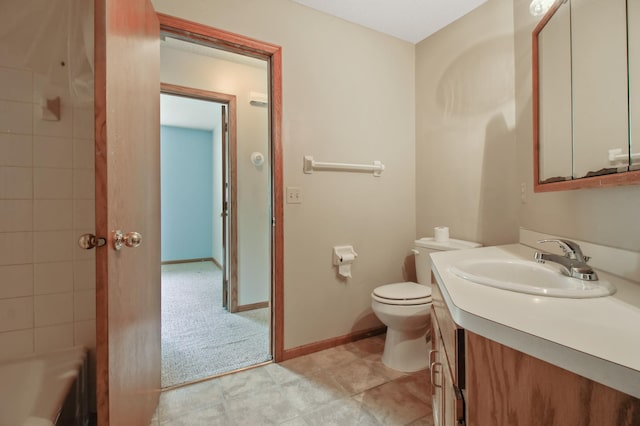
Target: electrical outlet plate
{"type": "Point", "coordinates": [294, 195]}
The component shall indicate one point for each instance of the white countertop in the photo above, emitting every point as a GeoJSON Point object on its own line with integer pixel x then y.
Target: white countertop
{"type": "Point", "coordinates": [597, 338]}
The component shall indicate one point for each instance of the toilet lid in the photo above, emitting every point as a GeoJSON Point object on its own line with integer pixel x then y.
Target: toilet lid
{"type": "Point", "coordinates": [403, 291]}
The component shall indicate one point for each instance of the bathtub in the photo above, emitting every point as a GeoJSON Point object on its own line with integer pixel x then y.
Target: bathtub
{"type": "Point", "coordinates": [44, 389]}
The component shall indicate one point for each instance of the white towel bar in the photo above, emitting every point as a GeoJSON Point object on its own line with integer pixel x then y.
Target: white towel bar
{"type": "Point", "coordinates": [616, 155]}
{"type": "Point", "coordinates": [310, 165]}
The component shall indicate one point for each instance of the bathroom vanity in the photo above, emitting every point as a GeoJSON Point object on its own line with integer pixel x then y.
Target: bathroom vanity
{"type": "Point", "coordinates": [504, 357]}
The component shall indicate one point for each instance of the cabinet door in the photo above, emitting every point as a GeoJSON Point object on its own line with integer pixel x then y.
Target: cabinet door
{"type": "Point", "coordinates": [435, 369]}
{"type": "Point", "coordinates": [448, 404]}
{"type": "Point", "coordinates": [453, 411]}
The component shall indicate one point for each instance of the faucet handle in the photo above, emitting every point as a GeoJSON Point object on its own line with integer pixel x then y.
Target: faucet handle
{"type": "Point", "coordinates": [570, 248]}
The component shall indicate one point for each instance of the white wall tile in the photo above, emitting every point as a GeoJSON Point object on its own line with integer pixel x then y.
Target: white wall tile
{"type": "Point", "coordinates": [52, 152]}
{"type": "Point", "coordinates": [16, 183]}
{"type": "Point", "coordinates": [83, 154]}
{"type": "Point", "coordinates": [16, 84]}
{"type": "Point", "coordinates": [53, 246]}
{"type": "Point", "coordinates": [52, 309]}
{"type": "Point", "coordinates": [16, 215]}
{"type": "Point", "coordinates": [84, 274]}
{"type": "Point", "coordinates": [85, 333]}
{"type": "Point", "coordinates": [61, 129]}
{"type": "Point", "coordinates": [52, 215]}
{"type": "Point", "coordinates": [16, 313]}
{"type": "Point", "coordinates": [14, 344]}
{"type": "Point", "coordinates": [83, 123]}
{"type": "Point", "coordinates": [16, 281]}
{"type": "Point", "coordinates": [15, 117]}
{"type": "Point", "coordinates": [16, 248]}
{"type": "Point", "coordinates": [53, 337]}
{"type": "Point", "coordinates": [53, 184]}
{"type": "Point", "coordinates": [54, 277]}
{"type": "Point", "coordinates": [83, 184]}
{"type": "Point", "coordinates": [16, 150]}
{"type": "Point", "coordinates": [85, 305]}
{"type": "Point", "coordinates": [84, 214]}
{"type": "Point", "coordinates": [43, 89]}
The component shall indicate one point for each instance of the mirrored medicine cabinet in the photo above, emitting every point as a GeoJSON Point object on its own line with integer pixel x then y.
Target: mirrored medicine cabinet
{"type": "Point", "coordinates": [586, 101]}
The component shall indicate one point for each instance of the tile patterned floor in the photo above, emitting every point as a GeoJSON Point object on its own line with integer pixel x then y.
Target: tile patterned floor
{"type": "Point", "coordinates": [346, 385]}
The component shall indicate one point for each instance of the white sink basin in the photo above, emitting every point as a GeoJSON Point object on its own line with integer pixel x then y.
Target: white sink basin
{"type": "Point", "coordinates": [529, 277]}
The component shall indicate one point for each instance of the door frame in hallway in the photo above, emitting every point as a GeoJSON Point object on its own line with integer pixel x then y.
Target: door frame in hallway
{"type": "Point", "coordinates": [230, 177]}
{"type": "Point", "coordinates": [223, 40]}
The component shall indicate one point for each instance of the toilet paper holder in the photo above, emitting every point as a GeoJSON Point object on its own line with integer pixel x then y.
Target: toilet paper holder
{"type": "Point", "coordinates": [343, 255]}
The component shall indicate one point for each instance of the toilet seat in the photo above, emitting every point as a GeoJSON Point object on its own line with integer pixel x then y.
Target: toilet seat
{"type": "Point", "coordinates": [405, 293]}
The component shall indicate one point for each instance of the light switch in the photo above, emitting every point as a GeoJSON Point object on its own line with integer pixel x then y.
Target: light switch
{"type": "Point", "coordinates": [294, 195]}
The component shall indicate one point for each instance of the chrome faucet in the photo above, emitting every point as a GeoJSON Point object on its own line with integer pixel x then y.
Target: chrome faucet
{"type": "Point", "coordinates": [573, 262]}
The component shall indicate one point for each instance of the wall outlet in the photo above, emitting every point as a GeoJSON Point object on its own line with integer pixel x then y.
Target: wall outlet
{"type": "Point", "coordinates": [294, 195]}
{"type": "Point", "coordinates": [523, 192]}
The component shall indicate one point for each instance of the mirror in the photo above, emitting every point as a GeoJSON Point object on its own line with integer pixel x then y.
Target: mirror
{"type": "Point", "coordinates": [583, 93]}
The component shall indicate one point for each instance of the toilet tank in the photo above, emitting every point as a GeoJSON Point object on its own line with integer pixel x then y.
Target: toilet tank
{"type": "Point", "coordinates": [424, 246]}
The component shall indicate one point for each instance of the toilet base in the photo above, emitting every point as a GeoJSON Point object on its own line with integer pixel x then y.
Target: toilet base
{"type": "Point", "coordinates": [406, 350]}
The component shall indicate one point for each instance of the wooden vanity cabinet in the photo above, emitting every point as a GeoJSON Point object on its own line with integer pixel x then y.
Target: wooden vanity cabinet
{"type": "Point", "coordinates": [478, 382]}
{"type": "Point", "coordinates": [506, 386]}
{"type": "Point", "coordinates": [446, 365]}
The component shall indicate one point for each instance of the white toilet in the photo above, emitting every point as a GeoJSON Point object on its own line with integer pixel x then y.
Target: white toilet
{"type": "Point", "coordinates": [404, 308]}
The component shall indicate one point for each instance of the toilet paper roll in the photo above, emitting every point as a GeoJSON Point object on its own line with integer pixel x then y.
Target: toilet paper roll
{"type": "Point", "coordinates": [441, 233]}
{"type": "Point", "coordinates": [347, 258]}
{"type": "Point", "coordinates": [345, 270]}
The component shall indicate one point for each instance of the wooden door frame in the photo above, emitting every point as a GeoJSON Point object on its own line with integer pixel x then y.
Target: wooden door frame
{"type": "Point", "coordinates": [232, 238]}
{"type": "Point", "coordinates": [208, 36]}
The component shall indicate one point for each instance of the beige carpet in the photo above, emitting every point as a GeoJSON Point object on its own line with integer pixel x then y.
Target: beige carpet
{"type": "Point", "coordinates": [199, 337]}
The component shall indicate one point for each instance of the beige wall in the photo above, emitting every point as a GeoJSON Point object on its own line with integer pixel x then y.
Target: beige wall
{"type": "Point", "coordinates": [604, 216]}
{"type": "Point", "coordinates": [348, 96]}
{"type": "Point", "coordinates": [465, 141]}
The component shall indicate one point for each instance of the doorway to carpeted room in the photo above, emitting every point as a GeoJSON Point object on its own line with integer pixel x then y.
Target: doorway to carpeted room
{"type": "Point", "coordinates": [200, 338]}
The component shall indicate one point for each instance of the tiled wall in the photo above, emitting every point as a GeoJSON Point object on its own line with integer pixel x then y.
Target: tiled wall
{"type": "Point", "coordinates": [47, 283]}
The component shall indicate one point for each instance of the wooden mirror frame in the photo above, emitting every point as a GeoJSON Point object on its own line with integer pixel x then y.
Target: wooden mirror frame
{"type": "Point", "coordinates": [617, 179]}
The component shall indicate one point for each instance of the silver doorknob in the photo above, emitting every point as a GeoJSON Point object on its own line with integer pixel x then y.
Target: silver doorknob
{"type": "Point", "coordinates": [130, 239]}
{"type": "Point", "coordinates": [89, 241]}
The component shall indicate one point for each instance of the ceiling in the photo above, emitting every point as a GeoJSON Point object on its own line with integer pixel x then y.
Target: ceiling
{"type": "Point", "coordinates": [179, 111]}
{"type": "Point", "coordinates": [409, 20]}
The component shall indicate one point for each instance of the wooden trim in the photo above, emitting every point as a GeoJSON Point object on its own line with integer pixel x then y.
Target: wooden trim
{"type": "Point", "coordinates": [215, 262]}
{"type": "Point", "coordinates": [202, 259]}
{"type": "Point", "coordinates": [617, 179]}
{"type": "Point", "coordinates": [203, 34]}
{"type": "Point", "coordinates": [102, 203]}
{"type": "Point", "coordinates": [215, 376]}
{"type": "Point", "coordinates": [331, 343]}
{"type": "Point", "coordinates": [252, 306]}
{"type": "Point", "coordinates": [232, 218]}
{"type": "Point", "coordinates": [277, 291]}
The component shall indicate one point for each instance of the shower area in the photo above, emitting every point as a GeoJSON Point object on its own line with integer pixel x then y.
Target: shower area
{"type": "Point", "coordinates": [47, 195]}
